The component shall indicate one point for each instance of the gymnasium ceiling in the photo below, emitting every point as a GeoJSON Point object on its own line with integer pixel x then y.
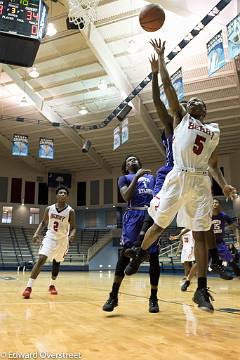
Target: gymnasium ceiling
{"type": "Point", "coordinates": [72, 63]}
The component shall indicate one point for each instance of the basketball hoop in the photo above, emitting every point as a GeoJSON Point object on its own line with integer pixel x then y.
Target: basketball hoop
{"type": "Point", "coordinates": [82, 12]}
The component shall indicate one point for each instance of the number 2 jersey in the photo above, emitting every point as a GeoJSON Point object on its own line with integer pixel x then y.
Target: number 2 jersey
{"type": "Point", "coordinates": [58, 223]}
{"type": "Point", "coordinates": [194, 143]}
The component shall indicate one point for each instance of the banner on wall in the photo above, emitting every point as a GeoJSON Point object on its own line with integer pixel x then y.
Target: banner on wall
{"type": "Point", "coordinates": [233, 35]}
{"type": "Point", "coordinates": [46, 148]}
{"type": "Point", "coordinates": [125, 132]}
{"type": "Point", "coordinates": [215, 53]}
{"type": "Point", "coordinates": [116, 138]}
{"type": "Point", "coordinates": [177, 81]}
{"type": "Point", "coordinates": [20, 145]}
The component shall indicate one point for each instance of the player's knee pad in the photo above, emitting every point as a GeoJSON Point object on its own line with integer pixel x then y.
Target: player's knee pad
{"type": "Point", "coordinates": [55, 268]}
{"type": "Point", "coordinates": [154, 269]}
{"type": "Point", "coordinates": [121, 265]}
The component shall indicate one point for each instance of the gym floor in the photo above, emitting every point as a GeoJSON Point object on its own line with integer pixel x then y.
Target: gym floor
{"type": "Point", "coordinates": [72, 324]}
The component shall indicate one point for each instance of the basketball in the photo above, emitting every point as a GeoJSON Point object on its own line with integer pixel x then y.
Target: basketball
{"type": "Point", "coordinates": [152, 17]}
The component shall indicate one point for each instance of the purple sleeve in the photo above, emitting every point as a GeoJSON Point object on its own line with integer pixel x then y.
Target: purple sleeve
{"type": "Point", "coordinates": [228, 220]}
{"type": "Point", "coordinates": [122, 181]}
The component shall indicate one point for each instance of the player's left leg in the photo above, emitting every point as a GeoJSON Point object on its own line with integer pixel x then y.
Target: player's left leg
{"type": "Point", "coordinates": [154, 274]}
{"type": "Point", "coordinates": [55, 271]}
{"type": "Point", "coordinates": [202, 296]}
{"type": "Point", "coordinates": [112, 301]}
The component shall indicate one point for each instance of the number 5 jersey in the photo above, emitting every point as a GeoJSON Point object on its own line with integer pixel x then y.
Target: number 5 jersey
{"type": "Point", "coordinates": [187, 188]}
{"type": "Point", "coordinates": [194, 143]}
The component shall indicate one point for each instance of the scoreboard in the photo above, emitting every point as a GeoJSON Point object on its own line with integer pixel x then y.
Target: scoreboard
{"type": "Point", "coordinates": [26, 18]}
{"type": "Point", "coordinates": [23, 25]}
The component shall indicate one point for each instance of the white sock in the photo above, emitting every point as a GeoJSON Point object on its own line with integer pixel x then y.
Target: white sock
{"type": "Point", "coordinates": [52, 282]}
{"type": "Point", "coordinates": [30, 282]}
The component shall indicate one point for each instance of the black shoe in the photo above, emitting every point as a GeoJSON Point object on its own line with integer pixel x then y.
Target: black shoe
{"type": "Point", "coordinates": [202, 297]}
{"type": "Point", "coordinates": [220, 270]}
{"type": "Point", "coordinates": [110, 304]}
{"type": "Point", "coordinates": [131, 252]}
{"type": "Point", "coordinates": [153, 306]}
{"type": "Point", "coordinates": [133, 266]}
{"type": "Point", "coordinates": [185, 285]}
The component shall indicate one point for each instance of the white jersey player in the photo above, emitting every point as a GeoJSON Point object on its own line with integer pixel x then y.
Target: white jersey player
{"type": "Point", "coordinates": [61, 228]}
{"type": "Point", "coordinates": [55, 243]}
{"type": "Point", "coordinates": [188, 183]}
{"type": "Point", "coordinates": [187, 188]}
{"type": "Point", "coordinates": [187, 253]}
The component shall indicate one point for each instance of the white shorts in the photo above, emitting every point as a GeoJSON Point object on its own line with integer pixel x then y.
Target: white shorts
{"type": "Point", "coordinates": [187, 195]}
{"type": "Point", "coordinates": [54, 249]}
{"type": "Point", "coordinates": [186, 255]}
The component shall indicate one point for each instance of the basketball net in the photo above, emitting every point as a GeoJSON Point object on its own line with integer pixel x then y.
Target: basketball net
{"type": "Point", "coordinates": [82, 12]}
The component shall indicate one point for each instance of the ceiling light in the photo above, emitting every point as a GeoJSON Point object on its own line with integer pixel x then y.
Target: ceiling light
{"type": "Point", "coordinates": [83, 111]}
{"type": "Point", "coordinates": [34, 73]}
{"type": "Point", "coordinates": [51, 30]}
{"type": "Point", "coordinates": [102, 85]}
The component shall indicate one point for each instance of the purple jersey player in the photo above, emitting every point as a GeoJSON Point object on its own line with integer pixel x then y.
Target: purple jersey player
{"type": "Point", "coordinates": [219, 221]}
{"type": "Point", "coordinates": [136, 187]}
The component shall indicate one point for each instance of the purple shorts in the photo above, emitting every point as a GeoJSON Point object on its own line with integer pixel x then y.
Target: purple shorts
{"type": "Point", "coordinates": [132, 224]}
{"type": "Point", "coordinates": [224, 252]}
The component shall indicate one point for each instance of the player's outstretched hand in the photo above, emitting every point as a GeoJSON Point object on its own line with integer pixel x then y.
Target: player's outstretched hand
{"type": "Point", "coordinates": [158, 46]}
{"type": "Point", "coordinates": [154, 64]}
{"type": "Point", "coordinates": [230, 192]}
{"type": "Point", "coordinates": [142, 172]}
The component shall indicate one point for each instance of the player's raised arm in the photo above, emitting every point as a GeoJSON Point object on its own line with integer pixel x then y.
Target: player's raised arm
{"type": "Point", "coordinates": [162, 112]}
{"type": "Point", "coordinates": [169, 90]}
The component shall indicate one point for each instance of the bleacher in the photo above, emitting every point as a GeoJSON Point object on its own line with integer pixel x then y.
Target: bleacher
{"type": "Point", "coordinates": [16, 246]}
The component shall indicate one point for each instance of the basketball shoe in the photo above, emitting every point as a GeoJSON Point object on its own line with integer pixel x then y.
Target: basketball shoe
{"type": "Point", "coordinates": [133, 266]}
{"type": "Point", "coordinates": [153, 305]}
{"type": "Point", "coordinates": [110, 304]}
{"type": "Point", "coordinates": [220, 270]}
{"type": "Point", "coordinates": [27, 292]}
{"type": "Point", "coordinates": [131, 252]}
{"type": "Point", "coordinates": [203, 298]}
{"type": "Point", "coordinates": [52, 290]}
{"type": "Point", "coordinates": [185, 285]}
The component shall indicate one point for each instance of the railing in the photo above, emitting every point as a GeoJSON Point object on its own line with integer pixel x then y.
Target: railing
{"type": "Point", "coordinates": [76, 258]}
{"type": "Point", "coordinates": [169, 250]}
{"type": "Point", "coordinates": [28, 245]}
{"type": "Point", "coordinates": [17, 243]}
{"type": "Point", "coordinates": [14, 246]}
{"type": "Point", "coordinates": [95, 248]}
